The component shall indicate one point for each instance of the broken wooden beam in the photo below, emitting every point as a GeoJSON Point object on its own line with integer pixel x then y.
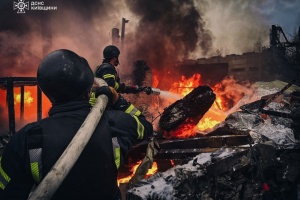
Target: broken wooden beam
{"type": "Point", "coordinates": [187, 148]}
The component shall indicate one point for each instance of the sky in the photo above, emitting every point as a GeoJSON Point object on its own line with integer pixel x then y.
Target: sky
{"type": "Point", "coordinates": [158, 32]}
{"type": "Point", "coordinates": [284, 13]}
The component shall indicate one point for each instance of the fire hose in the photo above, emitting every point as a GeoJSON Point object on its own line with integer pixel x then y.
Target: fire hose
{"type": "Point", "coordinates": [51, 182]}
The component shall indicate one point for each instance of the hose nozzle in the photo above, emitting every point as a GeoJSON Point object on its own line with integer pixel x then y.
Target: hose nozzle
{"type": "Point", "coordinates": [155, 91]}
{"type": "Point", "coordinates": [150, 90]}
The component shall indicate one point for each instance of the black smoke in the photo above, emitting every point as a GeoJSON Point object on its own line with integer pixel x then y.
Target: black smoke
{"type": "Point", "coordinates": [139, 72]}
{"type": "Point", "coordinates": [23, 36]}
{"type": "Point", "coordinates": [26, 38]}
{"type": "Point", "coordinates": [167, 31]}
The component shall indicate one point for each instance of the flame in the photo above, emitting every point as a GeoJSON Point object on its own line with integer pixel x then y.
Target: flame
{"type": "Point", "coordinates": [155, 80]}
{"type": "Point", "coordinates": [150, 172]}
{"type": "Point", "coordinates": [184, 130]}
{"type": "Point", "coordinates": [218, 103]}
{"type": "Point", "coordinates": [185, 86]}
{"type": "Point", "coordinates": [30, 103]}
{"type": "Point", "coordinates": [28, 99]}
{"type": "Point", "coordinates": [211, 118]}
{"type": "Point", "coordinates": [153, 170]}
{"type": "Point", "coordinates": [29, 113]}
{"type": "Point", "coordinates": [172, 163]}
{"type": "Point", "coordinates": [207, 123]}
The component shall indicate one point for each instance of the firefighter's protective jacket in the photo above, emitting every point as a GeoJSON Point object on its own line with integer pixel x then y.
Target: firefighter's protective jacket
{"type": "Point", "coordinates": [108, 72]}
{"type": "Point", "coordinates": [34, 149]}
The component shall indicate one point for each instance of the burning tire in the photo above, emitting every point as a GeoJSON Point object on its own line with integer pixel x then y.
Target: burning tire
{"type": "Point", "coordinates": [190, 109]}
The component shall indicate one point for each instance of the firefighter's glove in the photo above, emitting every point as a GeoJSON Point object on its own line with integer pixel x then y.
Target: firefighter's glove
{"type": "Point", "coordinates": [132, 89]}
{"type": "Point", "coordinates": [110, 92]}
{"type": "Point", "coordinates": [93, 99]}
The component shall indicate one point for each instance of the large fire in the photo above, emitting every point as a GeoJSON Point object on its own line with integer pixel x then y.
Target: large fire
{"type": "Point", "coordinates": [215, 115]}
{"type": "Point", "coordinates": [185, 86]}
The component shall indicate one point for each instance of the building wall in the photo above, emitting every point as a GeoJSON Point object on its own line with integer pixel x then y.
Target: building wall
{"type": "Point", "coordinates": [248, 66]}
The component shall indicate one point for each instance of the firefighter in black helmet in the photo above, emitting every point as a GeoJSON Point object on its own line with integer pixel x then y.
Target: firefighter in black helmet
{"type": "Point", "coordinates": [108, 72]}
{"type": "Point", "coordinates": [66, 79]}
{"type": "Point", "coordinates": [65, 70]}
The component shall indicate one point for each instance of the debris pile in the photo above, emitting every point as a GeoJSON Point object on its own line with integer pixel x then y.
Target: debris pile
{"type": "Point", "coordinates": [266, 167]}
{"type": "Point", "coordinates": [228, 174]}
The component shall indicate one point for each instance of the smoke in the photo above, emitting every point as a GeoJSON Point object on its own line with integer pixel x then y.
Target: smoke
{"type": "Point", "coordinates": [81, 26]}
{"type": "Point", "coordinates": [159, 32]}
{"type": "Point", "coordinates": [231, 91]}
{"type": "Point", "coordinates": [139, 72]}
{"type": "Point", "coordinates": [236, 25]}
{"type": "Point", "coordinates": [17, 54]}
{"type": "Point", "coordinates": [167, 31]}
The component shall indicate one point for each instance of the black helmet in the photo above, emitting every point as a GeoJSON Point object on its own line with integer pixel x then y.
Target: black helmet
{"type": "Point", "coordinates": [64, 76]}
{"type": "Point", "coordinates": [111, 51]}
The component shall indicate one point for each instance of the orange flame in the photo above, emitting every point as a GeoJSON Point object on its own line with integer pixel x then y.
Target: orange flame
{"type": "Point", "coordinates": [184, 130]}
{"type": "Point", "coordinates": [153, 170]}
{"type": "Point", "coordinates": [207, 123]}
{"type": "Point", "coordinates": [26, 114]}
{"type": "Point", "coordinates": [150, 172]}
{"type": "Point", "coordinates": [211, 118]}
{"type": "Point", "coordinates": [28, 99]}
{"type": "Point", "coordinates": [185, 86]}
{"type": "Point", "coordinates": [155, 80]}
{"type": "Point", "coordinates": [30, 103]}
{"type": "Point", "coordinates": [172, 163]}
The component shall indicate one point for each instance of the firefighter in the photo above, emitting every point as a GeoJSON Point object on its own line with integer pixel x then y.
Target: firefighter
{"type": "Point", "coordinates": [66, 79]}
{"type": "Point", "coordinates": [107, 71]}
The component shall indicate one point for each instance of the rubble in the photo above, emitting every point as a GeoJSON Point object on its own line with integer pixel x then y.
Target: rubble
{"type": "Point", "coordinates": [226, 174]}
{"type": "Point", "coordinates": [266, 167]}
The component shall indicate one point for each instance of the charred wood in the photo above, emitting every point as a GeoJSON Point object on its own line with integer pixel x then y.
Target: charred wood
{"type": "Point", "coordinates": [193, 106]}
{"type": "Point", "coordinates": [235, 176]}
{"type": "Point", "coordinates": [187, 148]}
